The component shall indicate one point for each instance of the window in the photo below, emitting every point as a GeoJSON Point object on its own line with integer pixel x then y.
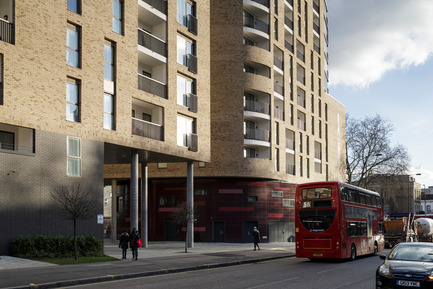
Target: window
{"type": "Point", "coordinates": [117, 16]}
{"type": "Point", "coordinates": [277, 160]}
{"type": "Point", "coordinates": [288, 202]}
{"type": "Point", "coordinates": [249, 153]}
{"type": "Point", "coordinates": [275, 29]}
{"type": "Point", "coordinates": [74, 6]}
{"type": "Point", "coordinates": [109, 61]}
{"type": "Point", "coordinates": [186, 15]}
{"type": "Point", "coordinates": [186, 53]}
{"type": "Point", "coordinates": [253, 198]}
{"type": "Point", "coordinates": [74, 157]}
{"type": "Point", "coordinates": [167, 201]}
{"type": "Point", "coordinates": [278, 194]}
{"type": "Point", "coordinates": [7, 140]}
{"type": "Point", "coordinates": [184, 87]}
{"type": "Point", "coordinates": [73, 100]}
{"type": "Point", "coordinates": [185, 131]}
{"type": "Point", "coordinates": [108, 111]}
{"type": "Point", "coordinates": [73, 46]}
{"type": "Point", "coordinates": [1, 79]}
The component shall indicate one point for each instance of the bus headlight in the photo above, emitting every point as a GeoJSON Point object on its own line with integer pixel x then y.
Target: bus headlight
{"type": "Point", "coordinates": [306, 204]}
{"type": "Point", "coordinates": [384, 270]}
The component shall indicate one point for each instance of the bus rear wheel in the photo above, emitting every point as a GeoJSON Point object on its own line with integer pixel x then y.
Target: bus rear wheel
{"type": "Point", "coordinates": [353, 253]}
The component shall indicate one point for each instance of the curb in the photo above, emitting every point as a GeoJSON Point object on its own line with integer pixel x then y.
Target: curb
{"type": "Point", "coordinates": [145, 274]}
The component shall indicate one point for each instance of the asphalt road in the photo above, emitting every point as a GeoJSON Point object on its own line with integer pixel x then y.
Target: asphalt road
{"type": "Point", "coordinates": [283, 273]}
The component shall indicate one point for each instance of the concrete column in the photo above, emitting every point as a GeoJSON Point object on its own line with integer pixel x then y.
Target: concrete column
{"type": "Point", "coordinates": [144, 205]}
{"type": "Point", "coordinates": [190, 204]}
{"type": "Point", "coordinates": [114, 211]}
{"type": "Point", "coordinates": [134, 190]}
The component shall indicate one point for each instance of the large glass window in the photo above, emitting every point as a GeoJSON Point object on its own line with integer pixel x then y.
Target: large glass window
{"type": "Point", "coordinates": [117, 16]}
{"type": "Point", "coordinates": [317, 193]}
{"type": "Point", "coordinates": [184, 47]}
{"type": "Point", "coordinates": [185, 128]}
{"type": "Point", "coordinates": [184, 8]}
{"type": "Point", "coordinates": [72, 100]}
{"type": "Point", "coordinates": [184, 86]}
{"type": "Point", "coordinates": [74, 6]}
{"type": "Point", "coordinates": [74, 157]}
{"type": "Point", "coordinates": [109, 61]}
{"type": "Point", "coordinates": [108, 111]}
{"type": "Point", "coordinates": [73, 46]}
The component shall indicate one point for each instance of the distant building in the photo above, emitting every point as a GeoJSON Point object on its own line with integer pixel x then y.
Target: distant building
{"type": "Point", "coordinates": [401, 194]}
{"type": "Point", "coordinates": [427, 200]}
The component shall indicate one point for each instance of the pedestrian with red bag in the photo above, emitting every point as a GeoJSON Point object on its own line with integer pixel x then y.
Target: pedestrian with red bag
{"type": "Point", "coordinates": [134, 238]}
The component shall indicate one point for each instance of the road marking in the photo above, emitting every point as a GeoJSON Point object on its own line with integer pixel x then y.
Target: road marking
{"type": "Point", "coordinates": [267, 284]}
{"type": "Point", "coordinates": [325, 271]}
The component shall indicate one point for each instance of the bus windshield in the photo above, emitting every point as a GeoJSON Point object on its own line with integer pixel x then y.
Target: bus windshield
{"type": "Point", "coordinates": [317, 193]}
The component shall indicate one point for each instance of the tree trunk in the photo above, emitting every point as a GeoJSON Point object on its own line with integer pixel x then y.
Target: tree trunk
{"type": "Point", "coordinates": [75, 239]}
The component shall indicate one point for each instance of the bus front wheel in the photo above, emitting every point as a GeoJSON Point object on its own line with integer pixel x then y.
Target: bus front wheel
{"type": "Point", "coordinates": [353, 253]}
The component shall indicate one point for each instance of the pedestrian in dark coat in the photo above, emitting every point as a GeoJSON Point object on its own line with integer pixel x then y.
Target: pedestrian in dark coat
{"type": "Point", "coordinates": [256, 237]}
{"type": "Point", "coordinates": [124, 243]}
{"type": "Point", "coordinates": [134, 246]}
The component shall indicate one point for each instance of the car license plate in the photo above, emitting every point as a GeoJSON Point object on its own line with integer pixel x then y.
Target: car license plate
{"type": "Point", "coordinates": [317, 254]}
{"type": "Point", "coordinates": [408, 283]}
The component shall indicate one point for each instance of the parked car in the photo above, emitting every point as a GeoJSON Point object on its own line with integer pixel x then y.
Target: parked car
{"type": "Point", "coordinates": [408, 265]}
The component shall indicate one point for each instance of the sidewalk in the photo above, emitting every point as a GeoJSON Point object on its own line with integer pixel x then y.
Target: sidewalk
{"type": "Point", "coordinates": [158, 258]}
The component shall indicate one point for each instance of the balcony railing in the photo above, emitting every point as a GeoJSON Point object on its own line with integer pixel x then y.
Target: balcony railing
{"type": "Point", "coordinates": [256, 24]}
{"type": "Point", "coordinates": [257, 134]}
{"type": "Point", "coordinates": [279, 113]}
{"type": "Point", "coordinates": [191, 23]}
{"type": "Point", "coordinates": [190, 101]}
{"type": "Point", "coordinates": [147, 129]}
{"type": "Point", "coordinates": [288, 22]}
{"type": "Point", "coordinates": [288, 45]}
{"type": "Point", "coordinates": [300, 55]}
{"type": "Point", "coordinates": [263, 2]}
{"type": "Point", "coordinates": [301, 124]}
{"type": "Point", "coordinates": [278, 62]}
{"type": "Point", "coordinates": [191, 62]}
{"type": "Point", "coordinates": [290, 169]}
{"type": "Point", "coordinates": [300, 77]}
{"type": "Point", "coordinates": [152, 86]}
{"type": "Point", "coordinates": [290, 144]}
{"type": "Point", "coordinates": [278, 88]}
{"type": "Point", "coordinates": [7, 31]}
{"type": "Point", "coordinates": [257, 106]}
{"type": "Point", "coordinates": [316, 28]}
{"type": "Point", "coordinates": [316, 7]}
{"type": "Point", "coordinates": [8, 147]}
{"type": "Point", "coordinates": [151, 42]}
{"type": "Point", "coordinates": [301, 101]}
{"type": "Point", "coordinates": [316, 48]}
{"type": "Point", "coordinates": [318, 154]}
{"type": "Point", "coordinates": [160, 5]}
{"type": "Point", "coordinates": [191, 141]}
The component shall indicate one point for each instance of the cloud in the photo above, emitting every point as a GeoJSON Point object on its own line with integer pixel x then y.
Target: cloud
{"type": "Point", "coordinates": [370, 38]}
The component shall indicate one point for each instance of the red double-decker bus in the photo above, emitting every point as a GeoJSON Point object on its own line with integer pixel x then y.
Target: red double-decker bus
{"type": "Point", "coordinates": [337, 220]}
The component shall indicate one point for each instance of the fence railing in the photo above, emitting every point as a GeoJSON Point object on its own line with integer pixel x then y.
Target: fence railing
{"type": "Point", "coordinates": [257, 106]}
{"type": "Point", "coordinates": [152, 86]}
{"type": "Point", "coordinates": [151, 42]}
{"type": "Point", "coordinates": [147, 129]}
{"type": "Point", "coordinates": [7, 31]}
{"type": "Point", "coordinates": [257, 134]}
{"type": "Point", "coordinates": [160, 5]}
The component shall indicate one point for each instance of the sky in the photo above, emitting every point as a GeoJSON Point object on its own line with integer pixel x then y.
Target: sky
{"type": "Point", "coordinates": [381, 63]}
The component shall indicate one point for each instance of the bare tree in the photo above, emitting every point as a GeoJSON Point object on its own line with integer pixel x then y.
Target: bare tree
{"type": "Point", "coordinates": [183, 215]}
{"type": "Point", "coordinates": [75, 203]}
{"type": "Point", "coordinates": [369, 151]}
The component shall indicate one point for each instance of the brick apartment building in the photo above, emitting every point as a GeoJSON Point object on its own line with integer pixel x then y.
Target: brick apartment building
{"type": "Point", "coordinates": [220, 104]}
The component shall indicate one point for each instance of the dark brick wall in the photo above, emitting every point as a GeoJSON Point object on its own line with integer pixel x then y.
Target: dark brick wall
{"type": "Point", "coordinates": [26, 205]}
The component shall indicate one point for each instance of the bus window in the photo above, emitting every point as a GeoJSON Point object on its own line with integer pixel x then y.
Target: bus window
{"type": "Point", "coordinates": [317, 193]}
{"type": "Point", "coordinates": [344, 194]}
{"type": "Point", "coordinates": [317, 220]}
{"type": "Point", "coordinates": [353, 196]}
{"type": "Point", "coordinates": [361, 198]}
{"type": "Point", "coordinates": [368, 200]}
{"type": "Point", "coordinates": [378, 202]}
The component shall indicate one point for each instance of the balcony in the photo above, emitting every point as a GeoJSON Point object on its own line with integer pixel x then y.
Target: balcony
{"type": "Point", "coordinates": [278, 62]}
{"type": "Point", "coordinates": [257, 134]}
{"type": "Point", "coordinates": [262, 2]}
{"type": "Point", "coordinates": [7, 31]}
{"type": "Point", "coordinates": [290, 144]}
{"type": "Point", "coordinates": [152, 86]}
{"type": "Point", "coordinates": [147, 129]}
{"type": "Point", "coordinates": [17, 140]}
{"type": "Point", "coordinates": [288, 22]}
{"type": "Point", "coordinates": [257, 106]}
{"type": "Point", "coordinates": [278, 88]}
{"type": "Point", "coordinates": [279, 113]}
{"type": "Point", "coordinates": [288, 45]}
{"type": "Point", "coordinates": [152, 43]}
{"type": "Point", "coordinates": [290, 169]}
{"type": "Point", "coordinates": [256, 24]}
{"type": "Point", "coordinates": [159, 5]}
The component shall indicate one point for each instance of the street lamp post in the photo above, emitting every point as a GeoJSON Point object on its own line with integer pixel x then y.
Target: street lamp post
{"type": "Point", "coordinates": [411, 193]}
